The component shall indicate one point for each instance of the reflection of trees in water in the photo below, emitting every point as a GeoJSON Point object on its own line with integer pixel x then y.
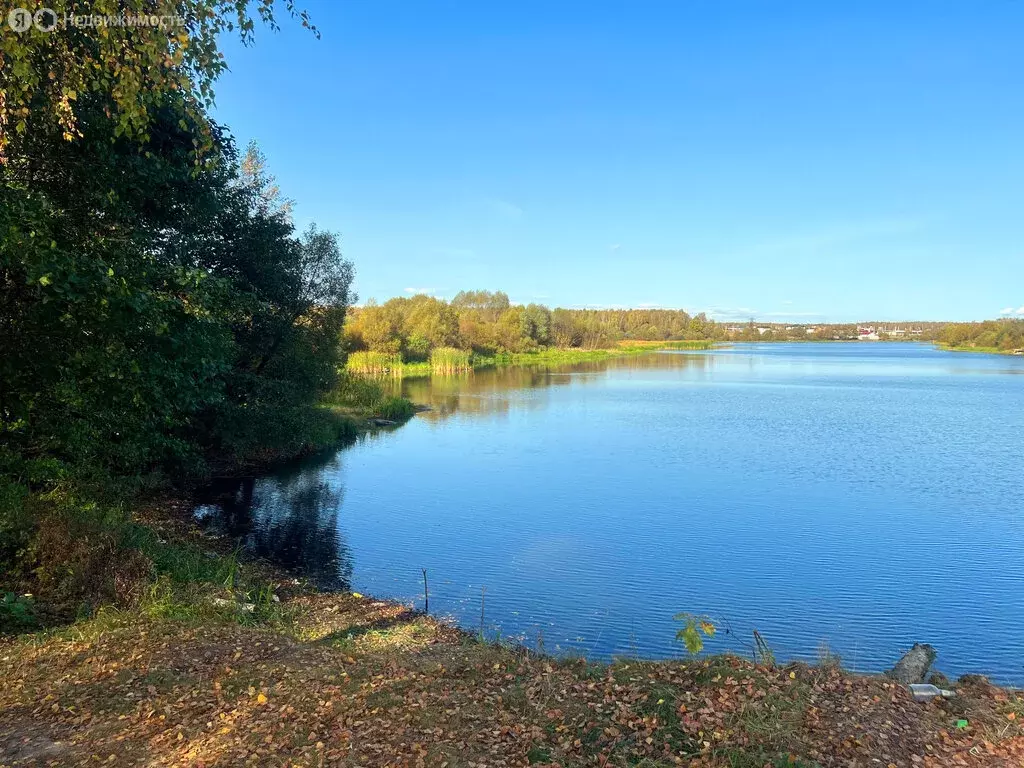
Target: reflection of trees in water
{"type": "Point", "coordinates": [489, 392]}
{"type": "Point", "coordinates": [290, 519]}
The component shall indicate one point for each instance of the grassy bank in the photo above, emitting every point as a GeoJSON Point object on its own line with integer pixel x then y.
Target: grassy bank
{"type": "Point", "coordinates": [983, 350]}
{"type": "Point", "coordinates": [360, 398]}
{"type": "Point", "coordinates": [308, 679]}
{"type": "Point", "coordinates": [191, 655]}
{"type": "Point", "coordinates": [76, 540]}
{"type": "Point", "coordinates": [172, 649]}
{"type": "Point", "coordinates": [651, 346]}
{"type": "Point", "coordinates": [447, 361]}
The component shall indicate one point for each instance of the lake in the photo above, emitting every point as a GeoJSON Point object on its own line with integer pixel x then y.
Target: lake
{"type": "Point", "coordinates": [858, 497]}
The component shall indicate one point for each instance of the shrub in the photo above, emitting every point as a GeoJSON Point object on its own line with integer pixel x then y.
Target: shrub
{"type": "Point", "coordinates": [368, 396]}
{"type": "Point", "coordinates": [81, 554]}
{"type": "Point", "coordinates": [16, 613]}
{"type": "Point", "coordinates": [15, 523]}
{"type": "Point", "coordinates": [395, 409]}
{"type": "Point", "coordinates": [355, 391]}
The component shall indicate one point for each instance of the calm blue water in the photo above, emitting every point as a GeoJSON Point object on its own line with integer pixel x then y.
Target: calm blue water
{"type": "Point", "coordinates": [866, 496]}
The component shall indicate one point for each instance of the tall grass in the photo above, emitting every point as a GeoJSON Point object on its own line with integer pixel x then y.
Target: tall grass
{"type": "Point", "coordinates": [356, 391]}
{"type": "Point", "coordinates": [394, 409]}
{"type": "Point", "coordinates": [448, 360]}
{"type": "Point", "coordinates": [364, 396]}
{"type": "Point", "coordinates": [371, 363]}
{"type": "Point", "coordinates": [694, 344]}
{"type": "Point", "coordinates": [639, 345]}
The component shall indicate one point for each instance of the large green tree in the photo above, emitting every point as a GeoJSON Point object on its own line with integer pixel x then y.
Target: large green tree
{"type": "Point", "coordinates": [49, 80]}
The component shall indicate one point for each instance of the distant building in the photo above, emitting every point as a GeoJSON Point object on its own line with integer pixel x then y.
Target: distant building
{"type": "Point", "coordinates": [867, 334]}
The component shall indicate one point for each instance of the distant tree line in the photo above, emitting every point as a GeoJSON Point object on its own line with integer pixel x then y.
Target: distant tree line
{"type": "Point", "coordinates": [1005, 335]}
{"type": "Point", "coordinates": [488, 322]}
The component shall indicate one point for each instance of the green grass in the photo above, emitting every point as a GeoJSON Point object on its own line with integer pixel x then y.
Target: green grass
{"type": "Point", "coordinates": [17, 612]}
{"type": "Point", "coordinates": [365, 396]}
{"type": "Point", "coordinates": [355, 391]}
{"type": "Point", "coordinates": [446, 361]}
{"type": "Point", "coordinates": [555, 356]}
{"type": "Point", "coordinates": [375, 363]}
{"type": "Point", "coordinates": [699, 344]}
{"type": "Point", "coordinates": [551, 356]}
{"type": "Point", "coordinates": [755, 757]}
{"type": "Point", "coordinates": [651, 346]}
{"type": "Point", "coordinates": [394, 409]}
{"type": "Point", "coordinates": [983, 350]}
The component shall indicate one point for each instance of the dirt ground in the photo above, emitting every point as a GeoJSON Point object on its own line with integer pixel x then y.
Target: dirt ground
{"type": "Point", "coordinates": [353, 681]}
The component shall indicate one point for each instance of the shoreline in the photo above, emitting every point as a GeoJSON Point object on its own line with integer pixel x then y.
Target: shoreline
{"type": "Point", "coordinates": [550, 356]}
{"type": "Point", "coordinates": [306, 677]}
{"type": "Point", "coordinates": [981, 350]}
{"type": "Point", "coordinates": [258, 665]}
{"type": "Point", "coordinates": [558, 356]}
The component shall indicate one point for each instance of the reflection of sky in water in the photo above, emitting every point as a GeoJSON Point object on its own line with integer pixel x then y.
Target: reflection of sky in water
{"type": "Point", "coordinates": [867, 495]}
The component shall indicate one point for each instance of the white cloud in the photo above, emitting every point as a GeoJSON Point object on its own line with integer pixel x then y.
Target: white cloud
{"type": "Point", "coordinates": [419, 290]}
{"type": "Point", "coordinates": [650, 305]}
{"type": "Point", "coordinates": [614, 247]}
{"type": "Point", "coordinates": [1010, 311]}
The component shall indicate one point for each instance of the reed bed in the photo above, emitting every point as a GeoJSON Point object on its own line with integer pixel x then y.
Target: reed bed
{"type": "Point", "coordinates": [446, 361]}
{"type": "Point", "coordinates": [370, 363]}
{"type": "Point", "coordinates": [638, 345]}
{"type": "Point", "coordinates": [692, 344]}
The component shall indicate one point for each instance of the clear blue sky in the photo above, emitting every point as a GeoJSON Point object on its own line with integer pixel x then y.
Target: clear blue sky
{"type": "Point", "coordinates": [800, 160]}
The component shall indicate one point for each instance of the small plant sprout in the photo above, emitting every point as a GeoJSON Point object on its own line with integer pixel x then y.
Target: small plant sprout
{"type": "Point", "coordinates": [694, 630]}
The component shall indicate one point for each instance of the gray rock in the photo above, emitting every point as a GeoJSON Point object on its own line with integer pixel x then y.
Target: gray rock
{"type": "Point", "coordinates": [914, 666]}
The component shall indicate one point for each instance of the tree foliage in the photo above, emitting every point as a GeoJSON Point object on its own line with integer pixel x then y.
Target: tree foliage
{"type": "Point", "coordinates": [156, 305]}
{"type": "Point", "coordinates": [132, 71]}
{"type": "Point", "coordinates": [151, 313]}
{"type": "Point", "coordinates": [1006, 335]}
{"type": "Point", "coordinates": [487, 322]}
